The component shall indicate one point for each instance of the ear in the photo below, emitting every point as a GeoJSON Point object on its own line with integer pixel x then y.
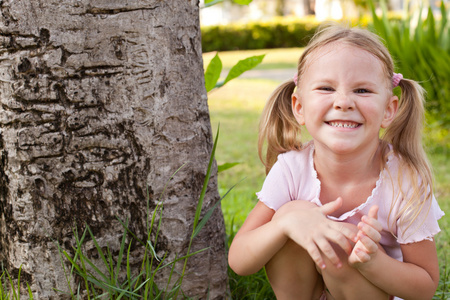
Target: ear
{"type": "Point", "coordinates": [390, 112]}
{"type": "Point", "coordinates": [297, 109]}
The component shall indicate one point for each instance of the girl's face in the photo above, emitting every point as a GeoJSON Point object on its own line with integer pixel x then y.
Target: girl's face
{"type": "Point", "coordinates": [344, 98]}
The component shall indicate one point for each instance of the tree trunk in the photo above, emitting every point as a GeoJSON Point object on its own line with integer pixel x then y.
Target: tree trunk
{"type": "Point", "coordinates": [279, 7]}
{"type": "Point", "coordinates": [308, 7]}
{"type": "Point", "coordinates": [101, 102]}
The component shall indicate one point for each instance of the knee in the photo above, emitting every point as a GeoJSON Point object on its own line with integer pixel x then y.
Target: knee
{"type": "Point", "coordinates": [293, 275]}
{"type": "Point", "coordinates": [291, 259]}
{"type": "Point", "coordinates": [292, 267]}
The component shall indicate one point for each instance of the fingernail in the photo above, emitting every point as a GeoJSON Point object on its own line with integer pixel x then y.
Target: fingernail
{"type": "Point", "coordinates": [339, 265]}
{"type": "Point", "coordinates": [323, 266]}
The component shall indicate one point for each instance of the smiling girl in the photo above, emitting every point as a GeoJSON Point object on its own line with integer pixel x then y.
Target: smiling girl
{"type": "Point", "coordinates": [350, 214]}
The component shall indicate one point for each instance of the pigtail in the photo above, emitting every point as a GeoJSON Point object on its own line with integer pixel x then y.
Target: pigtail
{"type": "Point", "coordinates": [405, 135]}
{"type": "Point", "coordinates": [278, 126]}
{"type": "Point", "coordinates": [406, 129]}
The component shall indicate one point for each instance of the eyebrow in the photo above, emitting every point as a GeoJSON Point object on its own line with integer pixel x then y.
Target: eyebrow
{"type": "Point", "coordinates": [331, 80]}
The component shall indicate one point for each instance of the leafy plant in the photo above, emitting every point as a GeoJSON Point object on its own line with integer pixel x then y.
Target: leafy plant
{"type": "Point", "coordinates": [214, 70]}
{"type": "Point", "coordinates": [421, 48]}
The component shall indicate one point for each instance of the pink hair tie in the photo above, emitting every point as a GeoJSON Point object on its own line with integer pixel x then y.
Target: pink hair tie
{"type": "Point", "coordinates": [396, 78]}
{"type": "Point", "coordinates": [295, 79]}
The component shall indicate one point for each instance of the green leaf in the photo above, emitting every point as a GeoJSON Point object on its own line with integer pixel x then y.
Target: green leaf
{"type": "Point", "coordinates": [212, 73]}
{"type": "Point", "coordinates": [226, 166]}
{"type": "Point", "coordinates": [243, 66]}
{"type": "Point", "coordinates": [242, 2]}
{"type": "Point", "coordinates": [209, 3]}
{"type": "Point", "coordinates": [431, 34]}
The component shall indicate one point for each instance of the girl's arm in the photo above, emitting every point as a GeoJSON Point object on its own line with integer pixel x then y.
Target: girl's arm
{"type": "Point", "coordinates": [417, 277]}
{"type": "Point", "coordinates": [256, 242]}
{"type": "Point", "coordinates": [265, 232]}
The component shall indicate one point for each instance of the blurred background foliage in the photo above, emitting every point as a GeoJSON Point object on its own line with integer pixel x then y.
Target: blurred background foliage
{"type": "Point", "coordinates": [421, 47]}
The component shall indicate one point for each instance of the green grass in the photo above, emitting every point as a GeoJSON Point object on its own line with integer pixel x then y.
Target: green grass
{"type": "Point", "coordinates": [237, 107]}
{"type": "Point", "coordinates": [238, 115]}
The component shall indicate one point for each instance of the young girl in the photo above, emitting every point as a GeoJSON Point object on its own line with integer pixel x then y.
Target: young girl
{"type": "Point", "coordinates": [348, 215]}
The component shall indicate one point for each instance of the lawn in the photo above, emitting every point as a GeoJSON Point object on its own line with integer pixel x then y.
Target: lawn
{"type": "Point", "coordinates": [237, 107]}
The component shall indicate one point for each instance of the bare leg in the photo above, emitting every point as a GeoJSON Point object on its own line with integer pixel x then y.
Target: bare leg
{"type": "Point", "coordinates": [293, 275]}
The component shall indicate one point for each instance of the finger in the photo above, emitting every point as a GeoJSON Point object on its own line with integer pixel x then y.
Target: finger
{"type": "Point", "coordinates": [331, 207]}
{"type": "Point", "coordinates": [372, 222]}
{"type": "Point", "coordinates": [367, 244]}
{"type": "Point", "coordinates": [362, 255]}
{"type": "Point", "coordinates": [326, 248]}
{"type": "Point", "coordinates": [349, 232]}
{"type": "Point", "coordinates": [369, 231]}
{"type": "Point", "coordinates": [373, 212]}
{"type": "Point", "coordinates": [341, 240]}
{"type": "Point", "coordinates": [314, 252]}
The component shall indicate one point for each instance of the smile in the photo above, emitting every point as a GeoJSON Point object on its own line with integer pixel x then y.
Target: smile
{"type": "Point", "coordinates": [341, 124]}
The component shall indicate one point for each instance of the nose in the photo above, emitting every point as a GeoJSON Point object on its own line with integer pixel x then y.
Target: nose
{"type": "Point", "coordinates": [343, 102]}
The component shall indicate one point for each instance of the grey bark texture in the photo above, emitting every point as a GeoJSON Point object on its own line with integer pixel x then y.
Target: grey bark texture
{"type": "Point", "coordinates": [101, 102]}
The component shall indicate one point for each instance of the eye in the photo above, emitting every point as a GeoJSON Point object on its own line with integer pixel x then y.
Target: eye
{"type": "Point", "coordinates": [362, 91]}
{"type": "Point", "coordinates": [325, 88]}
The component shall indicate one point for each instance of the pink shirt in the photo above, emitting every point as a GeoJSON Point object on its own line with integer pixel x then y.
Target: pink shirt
{"type": "Point", "coordinates": [293, 177]}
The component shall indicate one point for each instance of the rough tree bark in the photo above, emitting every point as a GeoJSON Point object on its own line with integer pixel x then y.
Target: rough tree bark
{"type": "Point", "coordinates": [100, 100]}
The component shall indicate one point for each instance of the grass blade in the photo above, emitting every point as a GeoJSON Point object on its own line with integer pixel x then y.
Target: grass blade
{"type": "Point", "coordinates": [206, 181]}
{"type": "Point", "coordinates": [210, 211]}
{"type": "Point", "coordinates": [119, 259]}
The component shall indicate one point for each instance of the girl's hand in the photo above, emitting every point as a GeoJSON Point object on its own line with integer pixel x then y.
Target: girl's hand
{"type": "Point", "coordinates": [369, 236]}
{"type": "Point", "coordinates": [307, 225]}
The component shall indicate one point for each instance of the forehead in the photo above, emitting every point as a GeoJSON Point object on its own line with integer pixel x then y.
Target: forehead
{"type": "Point", "coordinates": [340, 51]}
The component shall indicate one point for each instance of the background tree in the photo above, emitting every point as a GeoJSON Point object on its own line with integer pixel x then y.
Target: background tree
{"type": "Point", "coordinates": [279, 7]}
{"type": "Point", "coordinates": [101, 102]}
{"type": "Point", "coordinates": [309, 7]}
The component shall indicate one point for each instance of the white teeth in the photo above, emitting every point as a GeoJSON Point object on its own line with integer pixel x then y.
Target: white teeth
{"type": "Point", "coordinates": [343, 125]}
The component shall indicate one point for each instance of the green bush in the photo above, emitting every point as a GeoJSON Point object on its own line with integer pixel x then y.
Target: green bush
{"type": "Point", "coordinates": [277, 33]}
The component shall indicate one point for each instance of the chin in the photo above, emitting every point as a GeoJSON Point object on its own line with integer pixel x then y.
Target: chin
{"type": "Point", "coordinates": [341, 147]}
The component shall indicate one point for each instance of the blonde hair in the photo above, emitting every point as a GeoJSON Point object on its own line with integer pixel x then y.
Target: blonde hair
{"type": "Point", "coordinates": [280, 132]}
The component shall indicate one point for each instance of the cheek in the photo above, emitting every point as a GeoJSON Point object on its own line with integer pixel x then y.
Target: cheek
{"type": "Point", "coordinates": [374, 112]}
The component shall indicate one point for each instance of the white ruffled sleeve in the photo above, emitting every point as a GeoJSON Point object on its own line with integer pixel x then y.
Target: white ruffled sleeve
{"type": "Point", "coordinates": [424, 227]}
{"type": "Point", "coordinates": [276, 188]}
